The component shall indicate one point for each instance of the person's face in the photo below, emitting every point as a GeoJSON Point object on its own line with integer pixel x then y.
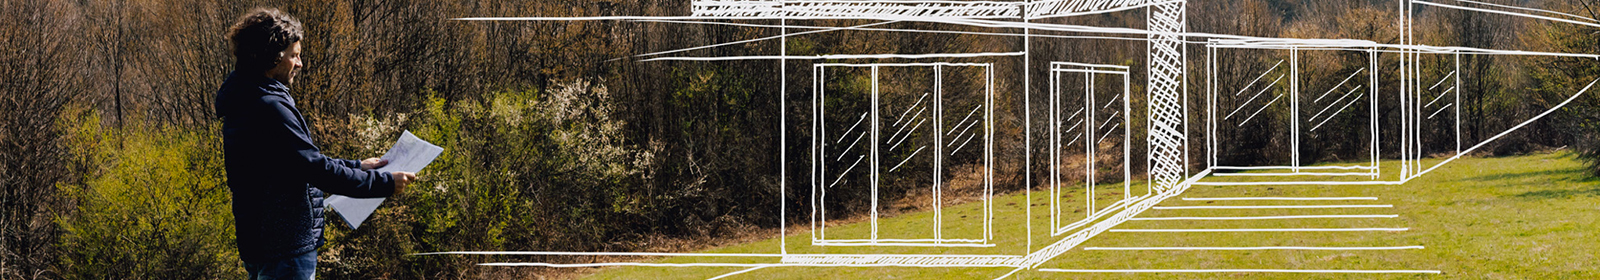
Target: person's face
{"type": "Point", "coordinates": [288, 65]}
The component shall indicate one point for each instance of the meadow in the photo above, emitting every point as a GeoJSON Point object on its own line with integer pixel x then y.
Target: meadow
{"type": "Point", "coordinates": [1517, 217]}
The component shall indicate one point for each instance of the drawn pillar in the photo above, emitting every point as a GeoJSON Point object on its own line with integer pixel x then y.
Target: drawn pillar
{"type": "Point", "coordinates": [1167, 136]}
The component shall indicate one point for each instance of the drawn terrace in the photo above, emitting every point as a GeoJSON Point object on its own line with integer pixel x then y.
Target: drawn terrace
{"type": "Point", "coordinates": [1101, 135]}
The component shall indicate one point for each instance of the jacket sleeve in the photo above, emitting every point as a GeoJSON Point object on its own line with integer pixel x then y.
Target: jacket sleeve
{"type": "Point", "coordinates": [350, 163]}
{"type": "Point", "coordinates": [304, 159]}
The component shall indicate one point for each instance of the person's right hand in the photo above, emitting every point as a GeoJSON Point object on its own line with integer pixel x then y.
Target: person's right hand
{"type": "Point", "coordinates": [401, 180]}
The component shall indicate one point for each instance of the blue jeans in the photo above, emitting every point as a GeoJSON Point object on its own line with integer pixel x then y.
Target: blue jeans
{"type": "Point", "coordinates": [301, 267]}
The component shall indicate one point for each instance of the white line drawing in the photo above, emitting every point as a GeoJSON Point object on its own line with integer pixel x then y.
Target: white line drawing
{"type": "Point", "coordinates": [1256, 229]}
{"type": "Point", "coordinates": [1279, 198]}
{"type": "Point", "coordinates": [1251, 248]}
{"type": "Point", "coordinates": [1263, 217]}
{"type": "Point", "coordinates": [1269, 207]}
{"type": "Point", "coordinates": [860, 136]}
{"type": "Point", "coordinates": [1085, 111]}
{"type": "Point", "coordinates": [742, 271]}
{"type": "Point", "coordinates": [906, 125]}
{"type": "Point", "coordinates": [1239, 270]}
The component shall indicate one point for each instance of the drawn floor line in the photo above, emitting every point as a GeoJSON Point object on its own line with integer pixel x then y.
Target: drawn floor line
{"type": "Point", "coordinates": [1261, 217]}
{"type": "Point", "coordinates": [742, 271]}
{"type": "Point", "coordinates": [1248, 248]}
{"type": "Point", "coordinates": [1237, 270]}
{"type": "Point", "coordinates": [1257, 229]}
{"type": "Point", "coordinates": [1271, 206]}
{"type": "Point", "coordinates": [1276, 198]}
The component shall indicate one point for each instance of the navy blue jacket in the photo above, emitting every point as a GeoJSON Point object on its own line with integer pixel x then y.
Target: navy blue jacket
{"type": "Point", "coordinates": [276, 174]}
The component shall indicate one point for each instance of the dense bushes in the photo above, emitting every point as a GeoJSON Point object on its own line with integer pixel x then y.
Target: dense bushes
{"type": "Point", "coordinates": [521, 170]}
{"type": "Point", "coordinates": [152, 202]}
{"type": "Point", "coordinates": [1555, 79]}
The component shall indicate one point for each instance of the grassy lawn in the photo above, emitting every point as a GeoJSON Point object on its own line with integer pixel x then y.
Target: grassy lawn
{"type": "Point", "coordinates": [1512, 217]}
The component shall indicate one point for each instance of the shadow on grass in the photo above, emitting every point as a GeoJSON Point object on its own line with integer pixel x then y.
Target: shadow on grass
{"type": "Point", "coordinates": [1592, 191]}
{"type": "Point", "coordinates": [1585, 183]}
{"type": "Point", "coordinates": [1579, 177]}
{"type": "Point", "coordinates": [1569, 175]}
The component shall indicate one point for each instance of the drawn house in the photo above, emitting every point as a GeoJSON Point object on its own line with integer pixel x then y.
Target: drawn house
{"type": "Point", "coordinates": [1097, 136]}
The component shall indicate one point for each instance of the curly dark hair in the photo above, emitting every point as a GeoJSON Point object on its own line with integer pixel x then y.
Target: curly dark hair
{"type": "Point", "coordinates": [260, 37]}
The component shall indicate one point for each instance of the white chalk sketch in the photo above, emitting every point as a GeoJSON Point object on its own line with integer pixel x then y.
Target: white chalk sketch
{"type": "Point", "coordinates": [944, 141]}
{"type": "Point", "coordinates": [862, 131]}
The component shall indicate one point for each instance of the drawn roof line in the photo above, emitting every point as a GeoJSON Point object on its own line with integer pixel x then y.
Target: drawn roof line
{"type": "Point", "coordinates": [855, 9]}
{"type": "Point", "coordinates": [910, 8]}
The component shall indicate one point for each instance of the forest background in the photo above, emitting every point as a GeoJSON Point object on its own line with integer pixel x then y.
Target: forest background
{"type": "Point", "coordinates": [111, 167]}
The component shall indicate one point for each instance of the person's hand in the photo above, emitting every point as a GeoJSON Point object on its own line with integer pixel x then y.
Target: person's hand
{"type": "Point", "coordinates": [373, 163]}
{"type": "Point", "coordinates": [402, 179]}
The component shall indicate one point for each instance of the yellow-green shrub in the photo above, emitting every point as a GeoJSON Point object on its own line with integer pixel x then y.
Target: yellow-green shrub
{"type": "Point", "coordinates": [153, 203]}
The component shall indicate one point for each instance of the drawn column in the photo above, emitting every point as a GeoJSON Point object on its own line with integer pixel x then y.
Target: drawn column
{"type": "Point", "coordinates": [1167, 137]}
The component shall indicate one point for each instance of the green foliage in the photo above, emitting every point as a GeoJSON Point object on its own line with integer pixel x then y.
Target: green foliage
{"type": "Point", "coordinates": [521, 170]}
{"type": "Point", "coordinates": [153, 203]}
{"type": "Point", "coordinates": [1554, 79]}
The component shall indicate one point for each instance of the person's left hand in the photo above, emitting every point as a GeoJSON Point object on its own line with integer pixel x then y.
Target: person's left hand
{"type": "Point", "coordinates": [373, 163]}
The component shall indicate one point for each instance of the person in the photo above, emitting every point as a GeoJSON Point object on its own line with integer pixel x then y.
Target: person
{"type": "Point", "coordinates": [276, 174]}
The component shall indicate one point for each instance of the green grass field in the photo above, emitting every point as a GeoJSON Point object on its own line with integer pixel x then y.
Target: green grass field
{"type": "Point", "coordinates": [1498, 218]}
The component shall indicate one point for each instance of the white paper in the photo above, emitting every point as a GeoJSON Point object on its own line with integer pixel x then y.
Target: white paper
{"type": "Point", "coordinates": [409, 154]}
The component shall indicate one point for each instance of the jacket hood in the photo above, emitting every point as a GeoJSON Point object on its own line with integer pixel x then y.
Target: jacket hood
{"type": "Point", "coordinates": [243, 84]}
